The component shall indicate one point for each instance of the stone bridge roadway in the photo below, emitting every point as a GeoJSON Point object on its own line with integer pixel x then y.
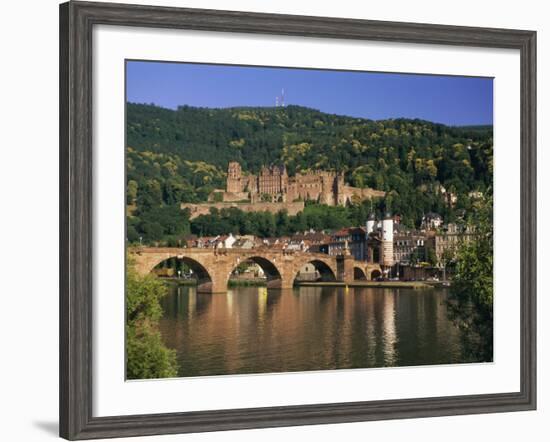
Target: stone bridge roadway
{"type": "Point", "coordinates": [213, 267]}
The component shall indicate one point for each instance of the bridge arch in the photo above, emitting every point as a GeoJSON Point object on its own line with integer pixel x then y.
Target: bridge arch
{"type": "Point", "coordinates": [359, 274]}
{"type": "Point", "coordinates": [324, 269]}
{"type": "Point", "coordinates": [271, 271]}
{"type": "Point", "coordinates": [375, 274]}
{"type": "Point", "coordinates": [199, 271]}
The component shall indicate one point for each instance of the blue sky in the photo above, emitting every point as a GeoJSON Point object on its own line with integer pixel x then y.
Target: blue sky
{"type": "Point", "coordinates": [443, 99]}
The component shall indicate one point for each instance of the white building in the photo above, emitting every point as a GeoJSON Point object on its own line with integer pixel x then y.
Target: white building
{"type": "Point", "coordinates": [229, 241]}
{"type": "Point", "coordinates": [431, 221]}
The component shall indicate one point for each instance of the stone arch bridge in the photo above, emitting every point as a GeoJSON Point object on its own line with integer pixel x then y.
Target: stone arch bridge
{"type": "Point", "coordinates": [213, 267]}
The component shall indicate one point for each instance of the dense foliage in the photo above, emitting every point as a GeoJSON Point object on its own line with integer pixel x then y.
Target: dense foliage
{"type": "Point", "coordinates": [181, 156]}
{"type": "Point", "coordinates": [265, 224]}
{"type": "Point", "coordinates": [146, 355]}
{"type": "Point", "coordinates": [471, 298]}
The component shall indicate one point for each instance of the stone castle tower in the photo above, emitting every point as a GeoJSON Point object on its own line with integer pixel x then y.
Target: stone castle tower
{"type": "Point", "coordinates": [234, 178]}
{"type": "Point", "coordinates": [339, 193]}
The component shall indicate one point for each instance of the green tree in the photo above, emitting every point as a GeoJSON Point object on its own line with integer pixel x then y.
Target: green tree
{"type": "Point", "coordinates": [431, 257]}
{"type": "Point", "coordinates": [131, 234]}
{"type": "Point", "coordinates": [146, 355]}
{"type": "Point", "coordinates": [131, 192]}
{"type": "Point", "coordinates": [470, 302]}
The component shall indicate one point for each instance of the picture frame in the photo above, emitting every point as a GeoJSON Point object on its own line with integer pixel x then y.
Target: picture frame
{"type": "Point", "coordinates": [77, 20]}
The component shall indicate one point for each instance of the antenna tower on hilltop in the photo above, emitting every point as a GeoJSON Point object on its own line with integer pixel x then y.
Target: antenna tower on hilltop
{"type": "Point", "coordinates": [280, 99]}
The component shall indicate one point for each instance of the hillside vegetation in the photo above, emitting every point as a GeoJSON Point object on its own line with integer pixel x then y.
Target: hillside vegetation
{"type": "Point", "coordinates": [181, 155]}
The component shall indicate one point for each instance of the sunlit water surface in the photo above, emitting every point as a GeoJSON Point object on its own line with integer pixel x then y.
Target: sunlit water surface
{"type": "Point", "coordinates": [256, 330]}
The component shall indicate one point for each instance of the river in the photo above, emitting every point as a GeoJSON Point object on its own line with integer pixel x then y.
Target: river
{"type": "Point", "coordinates": [256, 330]}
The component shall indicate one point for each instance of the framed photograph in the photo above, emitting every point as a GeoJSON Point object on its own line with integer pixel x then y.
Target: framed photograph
{"type": "Point", "coordinates": [271, 220]}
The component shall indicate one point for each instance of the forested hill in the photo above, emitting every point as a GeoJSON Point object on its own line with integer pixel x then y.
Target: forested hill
{"type": "Point", "coordinates": [181, 155]}
{"type": "Point", "coordinates": [300, 137]}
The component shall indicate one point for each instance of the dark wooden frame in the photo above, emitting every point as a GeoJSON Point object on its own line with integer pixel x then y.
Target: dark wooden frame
{"type": "Point", "coordinates": [76, 22]}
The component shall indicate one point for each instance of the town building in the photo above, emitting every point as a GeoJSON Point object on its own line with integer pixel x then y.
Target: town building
{"type": "Point", "coordinates": [431, 221]}
{"type": "Point", "coordinates": [409, 247]}
{"type": "Point", "coordinates": [475, 194]}
{"type": "Point", "coordinates": [308, 272]}
{"type": "Point", "coordinates": [245, 242]}
{"type": "Point", "coordinates": [450, 198]}
{"type": "Point", "coordinates": [373, 243]}
{"type": "Point", "coordinates": [446, 241]}
{"type": "Point", "coordinates": [352, 240]}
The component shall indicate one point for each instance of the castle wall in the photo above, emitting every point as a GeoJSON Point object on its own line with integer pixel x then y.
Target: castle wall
{"type": "Point", "coordinates": [229, 197]}
{"type": "Point", "coordinates": [308, 186]}
{"type": "Point", "coordinates": [349, 192]}
{"type": "Point", "coordinates": [251, 184]}
{"type": "Point", "coordinates": [292, 208]}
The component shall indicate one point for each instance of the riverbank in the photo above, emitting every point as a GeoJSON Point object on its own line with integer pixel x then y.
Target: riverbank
{"type": "Point", "coordinates": [376, 284]}
{"type": "Point", "coordinates": [178, 281]}
{"type": "Point", "coordinates": [231, 283]}
{"type": "Point", "coordinates": [247, 283]}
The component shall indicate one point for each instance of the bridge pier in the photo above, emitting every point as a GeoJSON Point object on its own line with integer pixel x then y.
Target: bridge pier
{"type": "Point", "coordinates": [217, 283]}
{"type": "Point", "coordinates": [217, 286]}
{"type": "Point", "coordinates": [284, 282]}
{"type": "Point", "coordinates": [344, 268]}
{"type": "Point", "coordinates": [287, 283]}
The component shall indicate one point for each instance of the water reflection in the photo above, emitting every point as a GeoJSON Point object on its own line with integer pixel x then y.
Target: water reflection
{"type": "Point", "coordinates": [256, 330]}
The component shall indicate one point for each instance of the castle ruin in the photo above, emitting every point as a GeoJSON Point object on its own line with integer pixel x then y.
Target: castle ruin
{"type": "Point", "coordinates": [274, 190]}
{"type": "Point", "coordinates": [274, 184]}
